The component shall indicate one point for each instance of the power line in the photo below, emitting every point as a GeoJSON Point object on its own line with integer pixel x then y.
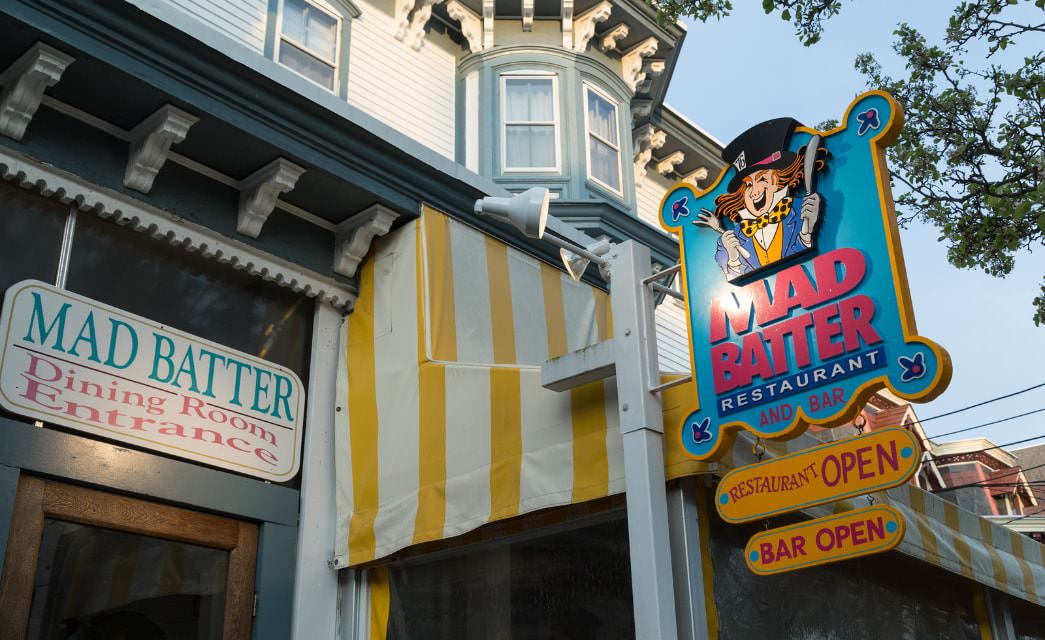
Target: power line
{"type": "Point", "coordinates": [986, 424]}
{"type": "Point", "coordinates": [979, 482]}
{"type": "Point", "coordinates": [980, 404]}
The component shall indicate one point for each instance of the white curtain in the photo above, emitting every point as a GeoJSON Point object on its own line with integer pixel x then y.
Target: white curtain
{"type": "Point", "coordinates": [602, 141]}
{"type": "Point", "coordinates": [529, 114]}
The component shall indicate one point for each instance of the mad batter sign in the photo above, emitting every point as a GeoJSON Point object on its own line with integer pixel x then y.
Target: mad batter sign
{"type": "Point", "coordinates": [797, 298]}
{"type": "Point", "coordinates": [71, 361]}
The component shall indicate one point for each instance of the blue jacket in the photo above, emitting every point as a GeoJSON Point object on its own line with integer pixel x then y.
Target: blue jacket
{"type": "Point", "coordinates": [790, 226]}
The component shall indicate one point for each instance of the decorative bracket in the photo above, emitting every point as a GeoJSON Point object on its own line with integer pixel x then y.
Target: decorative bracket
{"type": "Point", "coordinates": [632, 62]}
{"type": "Point", "coordinates": [667, 164]}
{"type": "Point", "coordinates": [151, 142]}
{"type": "Point", "coordinates": [527, 15]}
{"type": "Point", "coordinates": [641, 108]}
{"type": "Point", "coordinates": [697, 176]}
{"type": "Point", "coordinates": [567, 24]}
{"type": "Point", "coordinates": [410, 19]}
{"type": "Point", "coordinates": [651, 69]}
{"type": "Point", "coordinates": [355, 235]}
{"type": "Point", "coordinates": [608, 40]}
{"type": "Point", "coordinates": [471, 24]}
{"type": "Point", "coordinates": [259, 192]}
{"type": "Point", "coordinates": [646, 139]}
{"type": "Point", "coordinates": [584, 24]}
{"type": "Point", "coordinates": [24, 83]}
{"type": "Point", "coordinates": [488, 20]}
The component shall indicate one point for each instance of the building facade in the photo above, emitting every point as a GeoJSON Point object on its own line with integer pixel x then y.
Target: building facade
{"type": "Point", "coordinates": [291, 183]}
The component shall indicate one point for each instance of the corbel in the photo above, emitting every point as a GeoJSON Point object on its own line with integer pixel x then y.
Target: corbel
{"type": "Point", "coordinates": [527, 15]}
{"type": "Point", "coordinates": [651, 69]}
{"type": "Point", "coordinates": [24, 82]}
{"type": "Point", "coordinates": [355, 235]}
{"type": "Point", "coordinates": [646, 139]}
{"type": "Point", "coordinates": [608, 40]}
{"type": "Point", "coordinates": [641, 108]}
{"type": "Point", "coordinates": [260, 191]}
{"type": "Point", "coordinates": [410, 20]}
{"type": "Point", "coordinates": [488, 21]}
{"type": "Point", "coordinates": [632, 62]}
{"type": "Point", "coordinates": [150, 143]}
{"type": "Point", "coordinates": [567, 24]}
{"type": "Point", "coordinates": [667, 164]}
{"type": "Point", "coordinates": [471, 24]}
{"type": "Point", "coordinates": [696, 177]}
{"type": "Point", "coordinates": [584, 24]}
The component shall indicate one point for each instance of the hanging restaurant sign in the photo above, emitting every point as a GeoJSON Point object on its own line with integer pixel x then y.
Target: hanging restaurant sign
{"type": "Point", "coordinates": [796, 295]}
{"type": "Point", "coordinates": [835, 471]}
{"type": "Point", "coordinates": [842, 536]}
{"type": "Point", "coordinates": [71, 361]}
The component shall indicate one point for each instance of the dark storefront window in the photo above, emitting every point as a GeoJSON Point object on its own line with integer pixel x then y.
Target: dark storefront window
{"type": "Point", "coordinates": [882, 596]}
{"type": "Point", "coordinates": [31, 232]}
{"type": "Point", "coordinates": [99, 583]}
{"type": "Point", "coordinates": [148, 277]}
{"type": "Point", "coordinates": [571, 585]}
{"type": "Point", "coordinates": [1028, 620]}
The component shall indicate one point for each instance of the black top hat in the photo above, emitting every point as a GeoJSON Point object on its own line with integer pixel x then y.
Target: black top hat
{"type": "Point", "coordinates": [763, 146]}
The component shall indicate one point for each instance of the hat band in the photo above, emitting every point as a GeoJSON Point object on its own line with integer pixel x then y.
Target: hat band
{"type": "Point", "coordinates": [772, 158]}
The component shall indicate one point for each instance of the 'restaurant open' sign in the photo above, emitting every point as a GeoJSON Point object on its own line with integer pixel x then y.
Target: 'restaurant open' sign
{"type": "Point", "coordinates": [797, 299]}
{"type": "Point", "coordinates": [69, 360]}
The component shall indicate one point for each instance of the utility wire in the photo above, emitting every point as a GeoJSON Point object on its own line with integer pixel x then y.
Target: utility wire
{"type": "Point", "coordinates": [980, 404]}
{"type": "Point", "coordinates": [978, 482]}
{"type": "Point", "coordinates": [986, 424]}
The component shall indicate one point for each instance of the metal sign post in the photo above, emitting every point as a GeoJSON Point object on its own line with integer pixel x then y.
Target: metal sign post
{"type": "Point", "coordinates": [642, 431]}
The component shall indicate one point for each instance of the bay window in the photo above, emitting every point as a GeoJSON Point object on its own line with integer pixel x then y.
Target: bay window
{"type": "Point", "coordinates": [603, 141]}
{"type": "Point", "coordinates": [309, 41]}
{"type": "Point", "coordinates": [530, 129]}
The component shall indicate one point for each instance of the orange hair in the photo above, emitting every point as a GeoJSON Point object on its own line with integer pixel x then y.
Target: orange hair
{"type": "Point", "coordinates": [729, 204]}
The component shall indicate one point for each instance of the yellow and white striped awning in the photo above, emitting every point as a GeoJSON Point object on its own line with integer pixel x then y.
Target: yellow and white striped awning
{"type": "Point", "coordinates": [443, 425]}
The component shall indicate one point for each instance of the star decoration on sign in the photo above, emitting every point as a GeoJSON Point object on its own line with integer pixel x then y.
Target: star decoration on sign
{"type": "Point", "coordinates": [868, 120]}
{"type": "Point", "coordinates": [702, 430]}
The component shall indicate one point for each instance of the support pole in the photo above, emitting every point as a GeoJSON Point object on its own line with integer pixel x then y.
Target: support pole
{"type": "Point", "coordinates": [642, 432]}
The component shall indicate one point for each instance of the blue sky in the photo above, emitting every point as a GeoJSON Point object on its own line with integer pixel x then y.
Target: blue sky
{"type": "Point", "coordinates": [984, 322]}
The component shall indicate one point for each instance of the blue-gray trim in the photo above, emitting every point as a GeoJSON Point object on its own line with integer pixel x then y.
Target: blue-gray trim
{"type": "Point", "coordinates": [700, 149]}
{"type": "Point", "coordinates": [597, 218]}
{"type": "Point", "coordinates": [274, 581]}
{"type": "Point", "coordinates": [258, 96]}
{"type": "Point", "coordinates": [105, 466]}
{"type": "Point", "coordinates": [8, 490]}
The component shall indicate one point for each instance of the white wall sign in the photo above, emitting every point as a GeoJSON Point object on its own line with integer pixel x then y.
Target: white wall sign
{"type": "Point", "coordinates": [69, 360]}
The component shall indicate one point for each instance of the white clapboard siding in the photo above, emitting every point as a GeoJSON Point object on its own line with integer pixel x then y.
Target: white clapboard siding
{"type": "Point", "coordinates": [672, 341]}
{"type": "Point", "coordinates": [648, 192]}
{"type": "Point", "coordinates": [241, 20]}
{"type": "Point", "coordinates": [411, 91]}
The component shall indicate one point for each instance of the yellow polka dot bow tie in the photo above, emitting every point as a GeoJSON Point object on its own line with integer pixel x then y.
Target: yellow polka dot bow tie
{"type": "Point", "coordinates": [778, 213]}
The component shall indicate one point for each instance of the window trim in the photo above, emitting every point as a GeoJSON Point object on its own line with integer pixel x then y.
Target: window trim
{"type": "Point", "coordinates": [588, 133]}
{"type": "Point", "coordinates": [338, 38]}
{"type": "Point", "coordinates": [554, 123]}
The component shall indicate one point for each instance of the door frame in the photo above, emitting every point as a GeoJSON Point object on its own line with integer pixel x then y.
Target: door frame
{"type": "Point", "coordinates": [38, 498]}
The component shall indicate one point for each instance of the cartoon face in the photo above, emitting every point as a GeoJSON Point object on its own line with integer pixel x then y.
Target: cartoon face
{"type": "Point", "coordinates": [758, 194]}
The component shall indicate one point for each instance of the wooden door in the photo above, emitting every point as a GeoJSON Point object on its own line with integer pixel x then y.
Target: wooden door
{"type": "Point", "coordinates": [86, 563]}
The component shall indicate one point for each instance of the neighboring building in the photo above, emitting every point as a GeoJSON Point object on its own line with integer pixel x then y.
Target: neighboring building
{"type": "Point", "coordinates": [288, 188]}
{"type": "Point", "coordinates": [992, 480]}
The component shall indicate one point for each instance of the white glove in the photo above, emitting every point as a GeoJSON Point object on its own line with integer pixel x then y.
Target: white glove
{"type": "Point", "coordinates": [810, 213]}
{"type": "Point", "coordinates": [734, 250]}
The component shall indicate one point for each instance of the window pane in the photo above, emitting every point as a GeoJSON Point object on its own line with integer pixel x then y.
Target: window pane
{"type": "Point", "coordinates": [101, 583]}
{"type": "Point", "coordinates": [310, 26]}
{"type": "Point", "coordinates": [132, 271]}
{"type": "Point", "coordinates": [604, 163]}
{"type": "Point", "coordinates": [31, 226]}
{"type": "Point", "coordinates": [306, 65]}
{"type": "Point", "coordinates": [530, 146]}
{"type": "Point", "coordinates": [602, 117]}
{"type": "Point", "coordinates": [575, 584]}
{"type": "Point", "coordinates": [529, 100]}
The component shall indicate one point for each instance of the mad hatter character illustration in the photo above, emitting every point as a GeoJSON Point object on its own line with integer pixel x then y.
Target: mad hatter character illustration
{"type": "Point", "coordinates": [768, 226]}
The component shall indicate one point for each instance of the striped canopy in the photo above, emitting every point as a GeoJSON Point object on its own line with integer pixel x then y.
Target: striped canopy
{"type": "Point", "coordinates": [443, 425]}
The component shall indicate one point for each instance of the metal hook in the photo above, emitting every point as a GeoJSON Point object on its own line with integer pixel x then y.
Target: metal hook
{"type": "Point", "coordinates": [859, 423]}
{"type": "Point", "coordinates": [759, 448]}
{"type": "Point", "coordinates": [870, 499]}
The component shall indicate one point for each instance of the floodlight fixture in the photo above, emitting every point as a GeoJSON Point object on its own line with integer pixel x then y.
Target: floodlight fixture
{"type": "Point", "coordinates": [527, 212]}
